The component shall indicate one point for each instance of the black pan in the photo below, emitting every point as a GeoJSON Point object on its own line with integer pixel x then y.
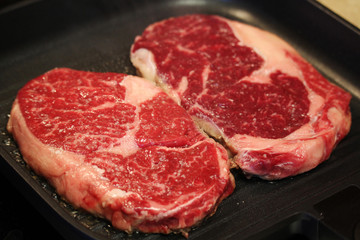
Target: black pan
{"type": "Point", "coordinates": [96, 35]}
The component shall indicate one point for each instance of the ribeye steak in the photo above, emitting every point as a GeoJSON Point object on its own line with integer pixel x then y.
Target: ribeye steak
{"type": "Point", "coordinates": [119, 147]}
{"type": "Point", "coordinates": [277, 114]}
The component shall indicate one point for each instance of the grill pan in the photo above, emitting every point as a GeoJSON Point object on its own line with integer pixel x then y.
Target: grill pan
{"type": "Point", "coordinates": [96, 35]}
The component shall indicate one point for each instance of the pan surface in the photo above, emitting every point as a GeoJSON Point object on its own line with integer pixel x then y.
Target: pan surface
{"type": "Point", "coordinates": [96, 35]}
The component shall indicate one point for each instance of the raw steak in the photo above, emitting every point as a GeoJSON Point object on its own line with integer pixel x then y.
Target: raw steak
{"type": "Point", "coordinates": [243, 85]}
{"type": "Point", "coordinates": [119, 147]}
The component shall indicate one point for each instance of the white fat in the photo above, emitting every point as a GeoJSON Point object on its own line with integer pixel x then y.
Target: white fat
{"type": "Point", "coordinates": [138, 90]}
{"type": "Point", "coordinates": [267, 45]}
{"type": "Point", "coordinates": [104, 106]}
{"type": "Point", "coordinates": [143, 60]}
{"type": "Point", "coordinates": [127, 145]}
{"type": "Point", "coordinates": [205, 75]}
{"type": "Point", "coordinates": [174, 207]}
{"type": "Point", "coordinates": [316, 104]}
{"type": "Point", "coordinates": [335, 116]}
{"type": "Point", "coordinates": [113, 196]}
{"type": "Point", "coordinates": [246, 142]}
{"type": "Point", "coordinates": [182, 85]}
{"type": "Point", "coordinates": [315, 150]}
{"type": "Point", "coordinates": [98, 170]}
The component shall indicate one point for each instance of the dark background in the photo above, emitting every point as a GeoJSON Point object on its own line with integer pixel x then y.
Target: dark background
{"type": "Point", "coordinates": [19, 219]}
{"type": "Point", "coordinates": [17, 216]}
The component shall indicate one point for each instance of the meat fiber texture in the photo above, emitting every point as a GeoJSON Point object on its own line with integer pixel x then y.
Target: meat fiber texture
{"type": "Point", "coordinates": [248, 88]}
{"type": "Point", "coordinates": [119, 147]}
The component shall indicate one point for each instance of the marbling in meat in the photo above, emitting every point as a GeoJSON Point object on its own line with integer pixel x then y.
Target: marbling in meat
{"type": "Point", "coordinates": [277, 114]}
{"type": "Point", "coordinates": [119, 147]}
